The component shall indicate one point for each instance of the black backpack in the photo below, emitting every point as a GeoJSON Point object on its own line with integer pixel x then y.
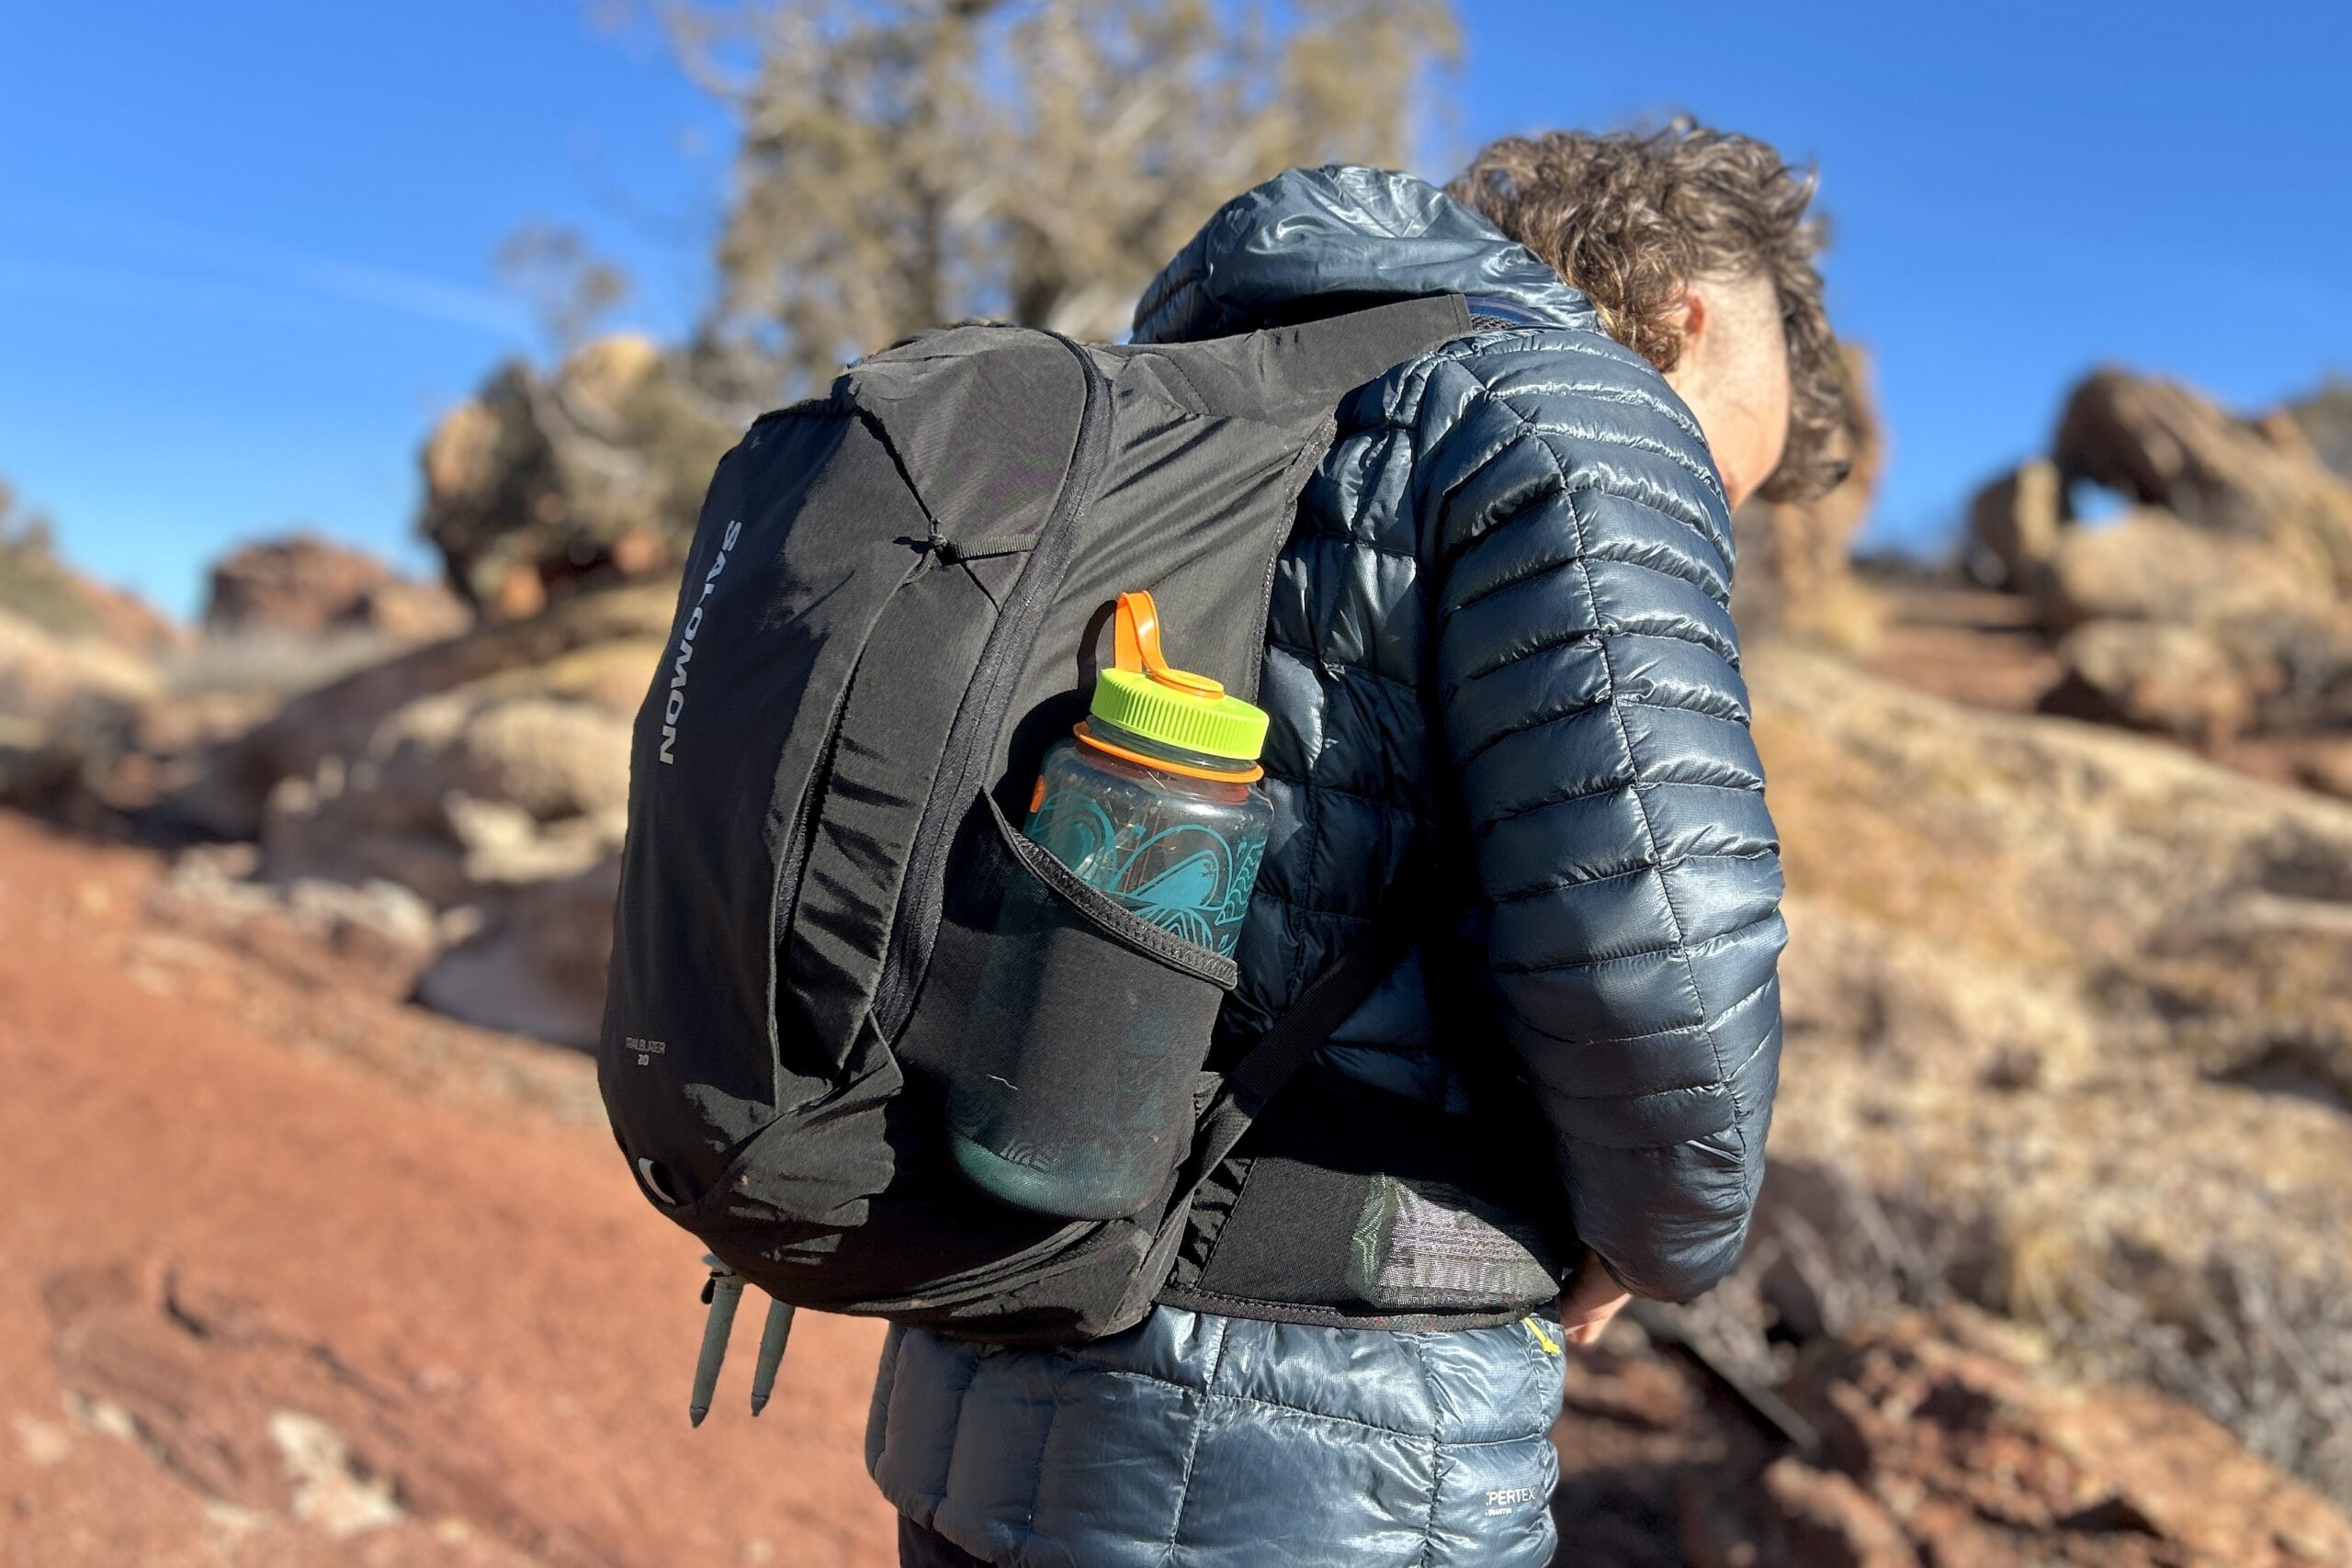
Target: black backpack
{"type": "Point", "coordinates": [897, 596]}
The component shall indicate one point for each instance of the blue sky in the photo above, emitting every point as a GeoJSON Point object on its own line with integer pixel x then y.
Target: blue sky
{"type": "Point", "coordinates": [247, 249]}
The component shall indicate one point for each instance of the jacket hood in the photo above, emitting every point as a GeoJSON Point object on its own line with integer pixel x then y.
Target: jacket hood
{"type": "Point", "coordinates": [1312, 241]}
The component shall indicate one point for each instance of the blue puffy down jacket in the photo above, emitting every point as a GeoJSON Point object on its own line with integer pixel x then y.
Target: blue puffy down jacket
{"type": "Point", "coordinates": [1505, 597]}
{"type": "Point", "coordinates": [1197, 1441]}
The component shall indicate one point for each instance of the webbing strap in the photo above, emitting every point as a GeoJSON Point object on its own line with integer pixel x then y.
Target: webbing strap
{"type": "Point", "coordinates": [1309, 1022]}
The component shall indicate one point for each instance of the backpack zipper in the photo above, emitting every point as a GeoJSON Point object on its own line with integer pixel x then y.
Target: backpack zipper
{"type": "Point", "coordinates": [979, 717]}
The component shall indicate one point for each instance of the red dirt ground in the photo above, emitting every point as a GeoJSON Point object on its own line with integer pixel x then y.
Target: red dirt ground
{"type": "Point", "coordinates": [293, 1274]}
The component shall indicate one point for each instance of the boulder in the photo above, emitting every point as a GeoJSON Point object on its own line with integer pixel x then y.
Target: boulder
{"type": "Point", "coordinates": [503, 775]}
{"type": "Point", "coordinates": [1795, 574]}
{"type": "Point", "coordinates": [2148, 565]}
{"type": "Point", "coordinates": [69, 711]}
{"type": "Point", "coordinates": [307, 586]}
{"type": "Point", "coordinates": [488, 777]}
{"type": "Point", "coordinates": [538, 967]}
{"type": "Point", "coordinates": [2013, 524]}
{"type": "Point", "coordinates": [2176, 679]}
{"type": "Point", "coordinates": [483, 786]}
{"type": "Point", "coordinates": [543, 482]}
{"type": "Point", "coordinates": [2161, 443]}
{"type": "Point", "coordinates": [595, 649]}
{"type": "Point", "coordinates": [2220, 602]}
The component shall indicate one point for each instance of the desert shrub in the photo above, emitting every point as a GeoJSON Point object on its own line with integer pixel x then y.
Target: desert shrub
{"type": "Point", "coordinates": [2266, 1352]}
{"type": "Point", "coordinates": [2264, 1348]}
{"type": "Point", "coordinates": [2326, 420]}
{"type": "Point", "coordinates": [34, 583]}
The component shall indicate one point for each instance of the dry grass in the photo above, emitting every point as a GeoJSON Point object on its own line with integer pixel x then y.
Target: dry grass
{"type": "Point", "coordinates": [2265, 1353]}
{"type": "Point", "coordinates": [2265, 1350]}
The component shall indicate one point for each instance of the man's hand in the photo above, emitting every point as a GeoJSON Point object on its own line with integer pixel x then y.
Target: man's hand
{"type": "Point", "coordinates": [1592, 1298]}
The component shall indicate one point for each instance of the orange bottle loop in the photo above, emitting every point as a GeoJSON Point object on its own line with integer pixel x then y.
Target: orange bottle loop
{"type": "Point", "coordinates": [1136, 645]}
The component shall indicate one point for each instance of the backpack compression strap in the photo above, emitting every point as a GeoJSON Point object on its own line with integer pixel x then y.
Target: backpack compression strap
{"type": "Point", "coordinates": [1309, 1022]}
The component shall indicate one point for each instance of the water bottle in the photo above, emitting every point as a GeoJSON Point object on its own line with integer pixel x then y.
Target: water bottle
{"type": "Point", "coordinates": [1150, 801]}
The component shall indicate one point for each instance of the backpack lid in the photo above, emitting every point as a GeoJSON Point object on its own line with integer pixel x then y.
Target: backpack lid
{"type": "Point", "coordinates": [1143, 694]}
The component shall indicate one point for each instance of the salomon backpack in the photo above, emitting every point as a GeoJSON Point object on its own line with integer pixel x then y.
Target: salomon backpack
{"type": "Point", "coordinates": [897, 596]}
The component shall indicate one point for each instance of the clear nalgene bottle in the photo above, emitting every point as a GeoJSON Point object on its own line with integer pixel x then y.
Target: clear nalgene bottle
{"type": "Point", "coordinates": [1151, 802]}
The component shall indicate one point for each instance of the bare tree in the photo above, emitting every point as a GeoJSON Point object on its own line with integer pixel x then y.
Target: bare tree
{"type": "Point", "coordinates": [904, 163]}
{"type": "Point", "coordinates": [568, 285]}
{"type": "Point", "coordinates": [907, 162]}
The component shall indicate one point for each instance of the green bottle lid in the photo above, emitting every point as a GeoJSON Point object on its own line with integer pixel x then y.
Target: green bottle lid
{"type": "Point", "coordinates": [1218, 724]}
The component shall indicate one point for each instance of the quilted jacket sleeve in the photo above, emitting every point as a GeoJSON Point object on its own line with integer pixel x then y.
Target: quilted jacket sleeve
{"type": "Point", "coordinates": [1589, 689]}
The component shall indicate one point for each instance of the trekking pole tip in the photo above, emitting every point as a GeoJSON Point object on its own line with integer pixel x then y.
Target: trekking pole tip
{"type": "Point", "coordinates": [695, 1413]}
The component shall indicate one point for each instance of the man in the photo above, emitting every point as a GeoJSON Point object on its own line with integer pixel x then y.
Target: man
{"type": "Point", "coordinates": [1499, 639]}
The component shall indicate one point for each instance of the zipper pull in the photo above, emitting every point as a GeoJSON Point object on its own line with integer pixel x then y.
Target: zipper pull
{"type": "Point", "coordinates": [772, 1339]}
{"type": "Point", "coordinates": [722, 1291]}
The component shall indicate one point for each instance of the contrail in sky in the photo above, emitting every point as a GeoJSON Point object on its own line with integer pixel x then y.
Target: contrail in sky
{"type": "Point", "coordinates": [225, 257]}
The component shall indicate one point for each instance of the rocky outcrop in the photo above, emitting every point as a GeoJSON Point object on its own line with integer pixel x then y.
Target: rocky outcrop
{"type": "Point", "coordinates": [488, 775]}
{"type": "Point", "coordinates": [2013, 525]}
{"type": "Point", "coordinates": [494, 783]}
{"type": "Point", "coordinates": [2151, 566]}
{"type": "Point", "coordinates": [305, 586]}
{"type": "Point", "coordinates": [69, 711]}
{"type": "Point", "coordinates": [543, 482]}
{"type": "Point", "coordinates": [1944, 1441]}
{"type": "Point", "coordinates": [2163, 444]}
{"type": "Point", "coordinates": [2220, 603]}
{"type": "Point", "coordinates": [1795, 575]}
{"type": "Point", "coordinates": [596, 650]}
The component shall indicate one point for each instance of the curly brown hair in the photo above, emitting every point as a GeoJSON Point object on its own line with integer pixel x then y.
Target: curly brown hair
{"type": "Point", "coordinates": [1631, 218]}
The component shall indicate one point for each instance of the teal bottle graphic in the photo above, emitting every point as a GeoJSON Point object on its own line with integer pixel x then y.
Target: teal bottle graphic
{"type": "Point", "coordinates": [1178, 854]}
{"type": "Point", "coordinates": [1152, 802]}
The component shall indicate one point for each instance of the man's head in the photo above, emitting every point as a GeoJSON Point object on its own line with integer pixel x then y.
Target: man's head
{"type": "Point", "coordinates": [1695, 248]}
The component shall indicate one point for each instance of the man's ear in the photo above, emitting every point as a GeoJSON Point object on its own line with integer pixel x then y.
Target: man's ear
{"type": "Point", "coordinates": [1694, 312]}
